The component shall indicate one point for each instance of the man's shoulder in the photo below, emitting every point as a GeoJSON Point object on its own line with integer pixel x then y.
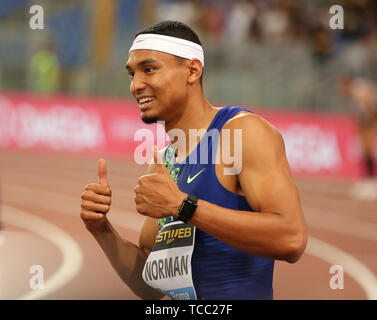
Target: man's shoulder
{"type": "Point", "coordinates": [252, 123]}
{"type": "Point", "coordinates": [258, 137]}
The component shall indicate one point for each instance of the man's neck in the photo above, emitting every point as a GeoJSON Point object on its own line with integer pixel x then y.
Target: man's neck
{"type": "Point", "coordinates": [197, 114]}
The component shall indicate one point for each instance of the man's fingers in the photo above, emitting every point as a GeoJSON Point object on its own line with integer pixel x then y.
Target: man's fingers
{"type": "Point", "coordinates": [95, 197]}
{"type": "Point", "coordinates": [95, 207]}
{"type": "Point", "coordinates": [90, 215]}
{"type": "Point", "coordinates": [99, 189]}
{"type": "Point", "coordinates": [102, 172]}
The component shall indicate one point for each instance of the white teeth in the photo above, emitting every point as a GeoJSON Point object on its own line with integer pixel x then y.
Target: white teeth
{"type": "Point", "coordinates": [143, 100]}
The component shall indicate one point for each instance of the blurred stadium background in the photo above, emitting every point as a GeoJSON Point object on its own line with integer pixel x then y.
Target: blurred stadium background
{"type": "Point", "coordinates": [65, 101]}
{"type": "Point", "coordinates": [281, 54]}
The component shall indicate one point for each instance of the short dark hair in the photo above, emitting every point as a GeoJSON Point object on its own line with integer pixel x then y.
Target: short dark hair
{"type": "Point", "coordinates": [173, 29]}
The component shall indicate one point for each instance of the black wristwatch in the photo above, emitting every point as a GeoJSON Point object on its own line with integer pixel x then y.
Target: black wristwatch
{"type": "Point", "coordinates": [187, 209]}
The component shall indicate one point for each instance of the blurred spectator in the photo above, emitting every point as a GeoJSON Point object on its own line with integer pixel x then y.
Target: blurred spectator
{"type": "Point", "coordinates": [274, 22]}
{"type": "Point", "coordinates": [322, 44]}
{"type": "Point", "coordinates": [297, 20]}
{"type": "Point", "coordinates": [212, 21]}
{"type": "Point", "coordinates": [181, 10]}
{"type": "Point", "coordinates": [44, 72]}
{"type": "Point", "coordinates": [362, 97]}
{"type": "Point", "coordinates": [148, 14]}
{"type": "Point", "coordinates": [355, 58]}
{"type": "Point", "coordinates": [355, 22]}
{"type": "Point", "coordinates": [240, 20]}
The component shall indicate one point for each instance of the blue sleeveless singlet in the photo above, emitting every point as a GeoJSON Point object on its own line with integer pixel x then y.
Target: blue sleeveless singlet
{"type": "Point", "coordinates": [219, 271]}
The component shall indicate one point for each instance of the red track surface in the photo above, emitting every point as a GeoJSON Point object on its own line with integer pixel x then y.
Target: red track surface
{"type": "Point", "coordinates": [49, 186]}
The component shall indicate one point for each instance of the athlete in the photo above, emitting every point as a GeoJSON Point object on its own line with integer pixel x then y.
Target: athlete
{"type": "Point", "coordinates": [213, 228]}
{"type": "Point", "coordinates": [362, 97]}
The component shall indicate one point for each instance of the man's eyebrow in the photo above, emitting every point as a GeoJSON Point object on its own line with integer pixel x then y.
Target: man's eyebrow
{"type": "Point", "coordinates": [141, 63]}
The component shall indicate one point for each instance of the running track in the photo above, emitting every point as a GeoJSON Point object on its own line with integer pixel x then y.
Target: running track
{"type": "Point", "coordinates": [40, 206]}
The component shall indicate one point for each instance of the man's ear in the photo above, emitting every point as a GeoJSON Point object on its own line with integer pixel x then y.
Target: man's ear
{"type": "Point", "coordinates": [195, 70]}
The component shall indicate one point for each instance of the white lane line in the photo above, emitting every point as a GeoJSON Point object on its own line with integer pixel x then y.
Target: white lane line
{"type": "Point", "coordinates": [353, 267]}
{"type": "Point", "coordinates": [340, 223]}
{"type": "Point", "coordinates": [118, 216]}
{"type": "Point", "coordinates": [72, 256]}
{"type": "Point", "coordinates": [335, 222]}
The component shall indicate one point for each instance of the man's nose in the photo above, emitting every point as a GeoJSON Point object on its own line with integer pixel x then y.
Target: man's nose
{"type": "Point", "coordinates": [137, 85]}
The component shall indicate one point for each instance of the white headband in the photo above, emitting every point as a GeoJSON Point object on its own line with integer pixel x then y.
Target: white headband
{"type": "Point", "coordinates": [175, 46]}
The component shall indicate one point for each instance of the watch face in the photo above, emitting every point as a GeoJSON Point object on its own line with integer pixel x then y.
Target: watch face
{"type": "Point", "coordinates": [187, 209]}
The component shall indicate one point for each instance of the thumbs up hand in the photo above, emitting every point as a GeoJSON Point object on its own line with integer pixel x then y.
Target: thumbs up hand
{"type": "Point", "coordinates": [96, 200]}
{"type": "Point", "coordinates": [156, 194]}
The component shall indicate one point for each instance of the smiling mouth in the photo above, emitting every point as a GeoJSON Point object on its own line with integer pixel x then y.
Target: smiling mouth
{"type": "Point", "coordinates": [144, 103]}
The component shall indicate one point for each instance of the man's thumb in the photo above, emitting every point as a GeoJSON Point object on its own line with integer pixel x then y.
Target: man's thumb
{"type": "Point", "coordinates": [158, 160]}
{"type": "Point", "coordinates": [102, 172]}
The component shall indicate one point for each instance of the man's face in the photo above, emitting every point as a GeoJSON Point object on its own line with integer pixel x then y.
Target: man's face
{"type": "Point", "coordinates": [158, 82]}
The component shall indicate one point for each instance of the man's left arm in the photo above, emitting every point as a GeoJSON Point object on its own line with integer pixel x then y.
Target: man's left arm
{"type": "Point", "coordinates": [276, 229]}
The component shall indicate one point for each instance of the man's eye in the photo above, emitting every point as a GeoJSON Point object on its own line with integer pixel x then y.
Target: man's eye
{"type": "Point", "coordinates": [149, 69]}
{"type": "Point", "coordinates": [131, 74]}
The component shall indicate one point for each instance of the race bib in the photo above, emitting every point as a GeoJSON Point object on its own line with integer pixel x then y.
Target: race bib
{"type": "Point", "coordinates": [168, 267]}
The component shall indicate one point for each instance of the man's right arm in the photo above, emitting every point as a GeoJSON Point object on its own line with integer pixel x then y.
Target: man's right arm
{"type": "Point", "coordinates": [126, 258]}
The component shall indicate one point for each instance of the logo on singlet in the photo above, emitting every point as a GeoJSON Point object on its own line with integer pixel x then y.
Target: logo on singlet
{"type": "Point", "coordinates": [189, 179]}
